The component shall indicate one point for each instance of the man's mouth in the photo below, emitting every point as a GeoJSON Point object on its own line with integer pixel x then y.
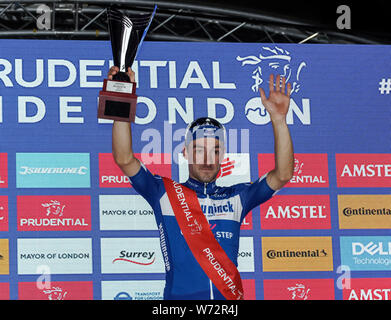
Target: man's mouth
{"type": "Point", "coordinates": [206, 169]}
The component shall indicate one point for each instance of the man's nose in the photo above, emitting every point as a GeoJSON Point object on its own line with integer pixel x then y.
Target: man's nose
{"type": "Point", "coordinates": [209, 157]}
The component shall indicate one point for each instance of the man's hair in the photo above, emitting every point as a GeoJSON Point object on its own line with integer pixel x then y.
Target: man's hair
{"type": "Point", "coordinates": [205, 127]}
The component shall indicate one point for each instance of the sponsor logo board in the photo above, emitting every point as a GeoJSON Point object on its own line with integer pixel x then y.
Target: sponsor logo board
{"type": "Point", "coordinates": [296, 212]}
{"type": "Point", "coordinates": [364, 211]}
{"type": "Point", "coordinates": [366, 252]}
{"type": "Point", "coordinates": [52, 170]}
{"type": "Point", "coordinates": [310, 171]}
{"type": "Point", "coordinates": [125, 212]}
{"type": "Point", "coordinates": [131, 255]}
{"type": "Point", "coordinates": [3, 170]}
{"type": "Point", "coordinates": [3, 213]}
{"type": "Point", "coordinates": [60, 256]}
{"type": "Point", "coordinates": [368, 289]}
{"type": "Point", "coordinates": [298, 289]}
{"type": "Point", "coordinates": [4, 256]}
{"type": "Point", "coordinates": [4, 291]}
{"type": "Point", "coordinates": [246, 254]}
{"type": "Point", "coordinates": [247, 223]}
{"type": "Point", "coordinates": [363, 169]}
{"type": "Point", "coordinates": [249, 289]}
{"type": "Point", "coordinates": [297, 254]}
{"type": "Point", "coordinates": [55, 290]}
{"type": "Point", "coordinates": [54, 213]}
{"type": "Point", "coordinates": [133, 290]}
{"type": "Point", "coordinates": [111, 176]}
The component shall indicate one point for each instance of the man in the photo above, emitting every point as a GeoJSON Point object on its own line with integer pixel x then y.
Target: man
{"type": "Point", "coordinates": [223, 207]}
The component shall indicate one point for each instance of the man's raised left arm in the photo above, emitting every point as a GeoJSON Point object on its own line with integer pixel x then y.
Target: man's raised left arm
{"type": "Point", "coordinates": [277, 106]}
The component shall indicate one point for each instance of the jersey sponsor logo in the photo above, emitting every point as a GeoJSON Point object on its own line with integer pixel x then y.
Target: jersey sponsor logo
{"type": "Point", "coordinates": [4, 256]}
{"type": "Point", "coordinates": [358, 170]}
{"type": "Point", "coordinates": [298, 289]}
{"type": "Point", "coordinates": [61, 256]}
{"type": "Point", "coordinates": [366, 252]}
{"type": "Point", "coordinates": [227, 209]}
{"type": "Point", "coordinates": [54, 213]}
{"type": "Point", "coordinates": [125, 212]}
{"type": "Point", "coordinates": [164, 247]}
{"type": "Point", "coordinates": [52, 170]}
{"type": "Point", "coordinates": [223, 235]}
{"type": "Point", "coordinates": [131, 255]}
{"type": "Point", "coordinates": [133, 290]}
{"type": "Point", "coordinates": [218, 209]}
{"type": "Point", "coordinates": [364, 211]}
{"type": "Point", "coordinates": [310, 171]}
{"type": "Point", "coordinates": [296, 212]}
{"type": "Point", "coordinates": [3, 213]}
{"type": "Point", "coordinates": [368, 289]}
{"type": "Point", "coordinates": [111, 176]}
{"type": "Point", "coordinates": [297, 254]}
{"type": "Point", "coordinates": [3, 170]}
{"type": "Point", "coordinates": [55, 290]}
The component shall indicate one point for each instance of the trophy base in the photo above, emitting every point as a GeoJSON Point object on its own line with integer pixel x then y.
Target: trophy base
{"type": "Point", "coordinates": [118, 106]}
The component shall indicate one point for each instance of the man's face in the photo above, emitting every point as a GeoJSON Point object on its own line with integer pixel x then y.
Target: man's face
{"type": "Point", "coordinates": [204, 156]}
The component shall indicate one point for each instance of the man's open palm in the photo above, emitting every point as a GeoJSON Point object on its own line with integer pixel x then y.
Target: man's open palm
{"type": "Point", "coordinates": [278, 102]}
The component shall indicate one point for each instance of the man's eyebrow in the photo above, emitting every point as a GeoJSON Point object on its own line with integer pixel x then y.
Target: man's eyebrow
{"type": "Point", "coordinates": [198, 146]}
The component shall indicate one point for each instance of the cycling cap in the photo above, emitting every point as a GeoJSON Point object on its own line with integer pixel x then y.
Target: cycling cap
{"type": "Point", "coordinates": [205, 128]}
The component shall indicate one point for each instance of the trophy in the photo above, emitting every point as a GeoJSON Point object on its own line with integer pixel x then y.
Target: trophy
{"type": "Point", "coordinates": [117, 100]}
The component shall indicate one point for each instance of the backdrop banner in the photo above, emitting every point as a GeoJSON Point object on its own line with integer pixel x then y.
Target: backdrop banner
{"type": "Point", "coordinates": [72, 227]}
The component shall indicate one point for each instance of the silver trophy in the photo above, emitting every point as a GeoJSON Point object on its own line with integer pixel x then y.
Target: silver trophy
{"type": "Point", "coordinates": [117, 100]}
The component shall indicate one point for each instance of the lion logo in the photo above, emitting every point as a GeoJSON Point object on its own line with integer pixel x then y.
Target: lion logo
{"type": "Point", "coordinates": [273, 60]}
{"type": "Point", "coordinates": [270, 60]}
{"type": "Point", "coordinates": [299, 292]}
{"type": "Point", "coordinates": [298, 167]}
{"type": "Point", "coordinates": [55, 293]}
{"type": "Point", "coordinates": [53, 207]}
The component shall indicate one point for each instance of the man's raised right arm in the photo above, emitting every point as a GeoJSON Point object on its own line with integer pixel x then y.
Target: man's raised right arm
{"type": "Point", "coordinates": [122, 139]}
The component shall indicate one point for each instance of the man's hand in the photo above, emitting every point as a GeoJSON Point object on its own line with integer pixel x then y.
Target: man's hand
{"type": "Point", "coordinates": [278, 102]}
{"type": "Point", "coordinates": [113, 70]}
{"type": "Point", "coordinates": [277, 105]}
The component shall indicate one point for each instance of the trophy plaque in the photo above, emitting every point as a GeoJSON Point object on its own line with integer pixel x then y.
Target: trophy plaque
{"type": "Point", "coordinates": [118, 99]}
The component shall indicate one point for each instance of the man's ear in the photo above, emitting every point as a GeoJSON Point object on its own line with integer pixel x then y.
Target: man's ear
{"type": "Point", "coordinates": [184, 152]}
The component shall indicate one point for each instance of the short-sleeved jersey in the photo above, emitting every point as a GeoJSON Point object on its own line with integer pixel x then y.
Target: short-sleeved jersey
{"type": "Point", "coordinates": [224, 207]}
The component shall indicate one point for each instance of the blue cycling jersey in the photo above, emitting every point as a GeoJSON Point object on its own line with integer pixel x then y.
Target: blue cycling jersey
{"type": "Point", "coordinates": [224, 207]}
